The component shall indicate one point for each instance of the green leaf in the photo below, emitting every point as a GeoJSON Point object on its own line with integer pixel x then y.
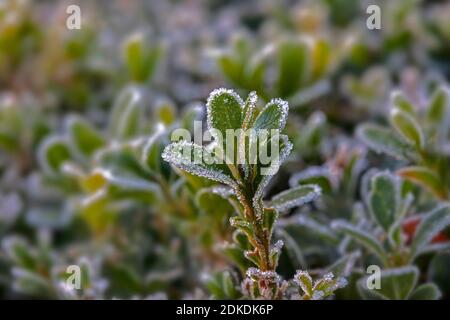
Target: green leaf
{"type": "Point", "coordinates": [224, 110]}
{"type": "Point", "coordinates": [232, 69]}
{"type": "Point", "coordinates": [165, 112]}
{"type": "Point", "coordinates": [249, 111]}
{"type": "Point", "coordinates": [439, 270]}
{"type": "Point", "coordinates": [384, 140]}
{"type": "Point", "coordinates": [294, 197]}
{"type": "Point", "coordinates": [212, 203]}
{"type": "Point", "coordinates": [438, 106]}
{"type": "Point", "coordinates": [318, 229]}
{"type": "Point", "coordinates": [269, 218]}
{"type": "Point", "coordinates": [126, 115]}
{"type": "Point", "coordinates": [121, 168]}
{"type": "Point", "coordinates": [321, 55]}
{"type": "Point", "coordinates": [395, 284]}
{"type": "Point", "coordinates": [398, 100]}
{"type": "Point", "coordinates": [53, 153]}
{"type": "Point", "coordinates": [140, 60]}
{"type": "Point", "coordinates": [407, 127]}
{"type": "Point", "coordinates": [221, 286]}
{"type": "Point", "coordinates": [362, 237]}
{"type": "Point", "coordinates": [384, 199]}
{"type": "Point", "coordinates": [85, 138]}
{"type": "Point", "coordinates": [432, 223]}
{"type": "Point", "coordinates": [19, 251]}
{"type": "Point", "coordinates": [304, 281]}
{"type": "Point", "coordinates": [151, 151]}
{"type": "Point", "coordinates": [197, 160]}
{"type": "Point", "coordinates": [265, 173]}
{"type": "Point", "coordinates": [425, 178]}
{"type": "Point", "coordinates": [293, 58]}
{"type": "Point", "coordinates": [236, 255]}
{"type": "Point", "coordinates": [293, 249]}
{"type": "Point", "coordinates": [345, 265]}
{"type": "Point", "coordinates": [426, 291]}
{"type": "Point", "coordinates": [273, 116]}
{"type": "Point", "coordinates": [32, 283]}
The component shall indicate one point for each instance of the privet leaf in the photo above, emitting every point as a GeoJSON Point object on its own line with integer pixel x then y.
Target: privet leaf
{"type": "Point", "coordinates": [398, 100]}
{"type": "Point", "coordinates": [140, 60]}
{"type": "Point", "coordinates": [293, 249]}
{"type": "Point", "coordinates": [191, 158]}
{"type": "Point", "coordinates": [273, 116]}
{"type": "Point", "coordinates": [294, 197]}
{"type": "Point", "coordinates": [395, 284]}
{"type": "Point", "coordinates": [126, 115]}
{"type": "Point", "coordinates": [384, 199]}
{"type": "Point", "coordinates": [438, 106]}
{"type": "Point", "coordinates": [431, 224]}
{"type": "Point", "coordinates": [384, 140]}
{"type": "Point", "coordinates": [263, 179]}
{"type": "Point", "coordinates": [293, 66]}
{"type": "Point", "coordinates": [270, 217]}
{"type": "Point", "coordinates": [249, 112]}
{"type": "Point", "coordinates": [85, 138]}
{"type": "Point", "coordinates": [407, 127]}
{"type": "Point", "coordinates": [224, 110]}
{"type": "Point", "coordinates": [53, 153]}
{"type": "Point", "coordinates": [426, 291]}
{"type": "Point", "coordinates": [305, 282]}
{"type": "Point", "coordinates": [424, 177]}
{"type": "Point", "coordinates": [361, 236]}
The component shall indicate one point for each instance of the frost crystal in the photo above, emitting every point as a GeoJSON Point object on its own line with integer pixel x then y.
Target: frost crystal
{"type": "Point", "coordinates": [223, 191]}
{"type": "Point", "coordinates": [251, 102]}
{"type": "Point", "coordinates": [341, 283]}
{"type": "Point", "coordinates": [278, 245]}
{"type": "Point", "coordinates": [318, 295]}
{"type": "Point", "coordinates": [256, 274]}
{"type": "Point", "coordinates": [328, 277]}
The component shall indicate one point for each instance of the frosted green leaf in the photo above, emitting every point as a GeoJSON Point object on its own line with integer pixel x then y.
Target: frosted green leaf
{"type": "Point", "coordinates": [85, 138]}
{"type": "Point", "coordinates": [407, 127]}
{"type": "Point", "coordinates": [294, 197]}
{"type": "Point", "coordinates": [224, 110]}
{"type": "Point", "coordinates": [362, 237]}
{"type": "Point", "coordinates": [432, 223]}
{"type": "Point", "coordinates": [140, 59]}
{"type": "Point", "coordinates": [304, 281]}
{"type": "Point", "coordinates": [273, 116]}
{"type": "Point", "coordinates": [384, 140]}
{"type": "Point", "coordinates": [293, 58]}
{"type": "Point", "coordinates": [426, 178]}
{"type": "Point", "coordinates": [426, 291]}
{"type": "Point", "coordinates": [126, 116]}
{"type": "Point", "coordinates": [399, 101]}
{"type": "Point", "coordinates": [184, 154]}
{"type": "Point", "coordinates": [249, 111]}
{"type": "Point", "coordinates": [384, 199]}
{"type": "Point", "coordinates": [152, 148]}
{"type": "Point", "coordinates": [396, 284]}
{"type": "Point", "coordinates": [438, 106]}
{"type": "Point", "coordinates": [263, 181]}
{"type": "Point", "coordinates": [53, 153]}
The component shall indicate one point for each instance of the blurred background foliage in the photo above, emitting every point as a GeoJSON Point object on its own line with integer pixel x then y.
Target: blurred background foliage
{"type": "Point", "coordinates": [85, 114]}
